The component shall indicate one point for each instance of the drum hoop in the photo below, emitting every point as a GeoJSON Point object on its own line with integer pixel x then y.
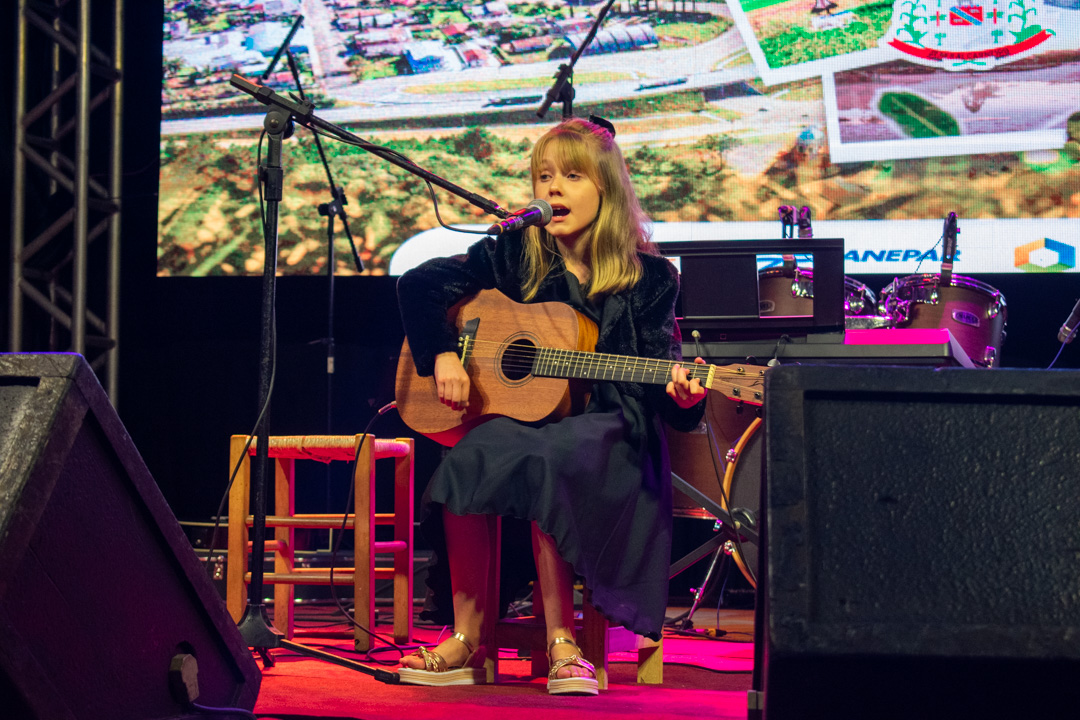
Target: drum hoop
{"type": "Point", "coordinates": [849, 282]}
{"type": "Point", "coordinates": [928, 279]}
{"type": "Point", "coordinates": [729, 478]}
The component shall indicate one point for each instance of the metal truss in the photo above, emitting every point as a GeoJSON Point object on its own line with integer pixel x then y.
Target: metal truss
{"type": "Point", "coordinates": [66, 187]}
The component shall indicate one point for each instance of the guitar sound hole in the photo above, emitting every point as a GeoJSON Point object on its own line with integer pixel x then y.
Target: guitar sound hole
{"type": "Point", "coordinates": [517, 359]}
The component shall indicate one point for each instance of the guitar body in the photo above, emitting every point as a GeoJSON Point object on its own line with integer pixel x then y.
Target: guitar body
{"type": "Point", "coordinates": [495, 359]}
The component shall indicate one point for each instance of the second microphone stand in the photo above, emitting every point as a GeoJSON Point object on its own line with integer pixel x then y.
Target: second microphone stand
{"type": "Point", "coordinates": [562, 90]}
{"type": "Point", "coordinates": [332, 211]}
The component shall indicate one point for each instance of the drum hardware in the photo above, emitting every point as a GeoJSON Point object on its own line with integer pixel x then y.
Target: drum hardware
{"type": "Point", "coordinates": [787, 221]}
{"type": "Point", "coordinates": [724, 465]}
{"type": "Point", "coordinates": [1068, 328]}
{"type": "Point", "coordinates": [973, 311]}
{"type": "Point", "coordinates": [744, 518]}
{"type": "Point", "coordinates": [783, 291]}
{"type": "Point", "coordinates": [699, 591]}
{"type": "Point", "coordinates": [803, 286]}
{"type": "Point", "coordinates": [805, 229]}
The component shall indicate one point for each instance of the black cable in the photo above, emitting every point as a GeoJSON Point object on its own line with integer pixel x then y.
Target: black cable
{"type": "Point", "coordinates": [341, 534]}
{"type": "Point", "coordinates": [224, 711]}
{"type": "Point", "coordinates": [1054, 361]}
{"type": "Point", "coordinates": [923, 256]}
{"type": "Point", "coordinates": [775, 359]}
{"type": "Point", "coordinates": [431, 190]}
{"type": "Point", "coordinates": [270, 388]}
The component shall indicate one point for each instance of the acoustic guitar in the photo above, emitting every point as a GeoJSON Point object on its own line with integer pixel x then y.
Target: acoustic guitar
{"type": "Point", "coordinates": [536, 362]}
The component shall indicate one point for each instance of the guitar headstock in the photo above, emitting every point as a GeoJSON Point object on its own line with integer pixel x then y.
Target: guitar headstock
{"type": "Point", "coordinates": [741, 383]}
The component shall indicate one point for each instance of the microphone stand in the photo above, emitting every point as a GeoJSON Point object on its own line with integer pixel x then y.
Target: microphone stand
{"type": "Point", "coordinates": [563, 88]}
{"type": "Point", "coordinates": [331, 211]}
{"type": "Point", "coordinates": [254, 625]}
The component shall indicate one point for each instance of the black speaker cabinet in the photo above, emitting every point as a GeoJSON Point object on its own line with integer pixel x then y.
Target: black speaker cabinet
{"type": "Point", "coordinates": [923, 543]}
{"type": "Point", "coordinates": [99, 588]}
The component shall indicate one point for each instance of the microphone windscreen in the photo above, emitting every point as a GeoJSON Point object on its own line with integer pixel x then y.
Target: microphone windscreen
{"type": "Point", "coordinates": [545, 210]}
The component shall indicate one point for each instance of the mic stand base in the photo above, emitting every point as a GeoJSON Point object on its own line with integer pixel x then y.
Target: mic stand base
{"type": "Point", "coordinates": [262, 637]}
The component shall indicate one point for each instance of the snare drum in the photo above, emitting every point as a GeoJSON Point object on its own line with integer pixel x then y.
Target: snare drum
{"type": "Point", "coordinates": [791, 292]}
{"type": "Point", "coordinates": [972, 311]}
{"type": "Point", "coordinates": [735, 476]}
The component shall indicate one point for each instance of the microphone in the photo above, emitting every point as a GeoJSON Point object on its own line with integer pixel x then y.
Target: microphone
{"type": "Point", "coordinates": [1068, 330]}
{"type": "Point", "coordinates": [537, 212]}
{"type": "Point", "coordinates": [948, 250]}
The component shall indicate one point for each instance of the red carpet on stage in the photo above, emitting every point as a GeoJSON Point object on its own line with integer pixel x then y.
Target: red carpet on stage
{"type": "Point", "coordinates": [703, 677]}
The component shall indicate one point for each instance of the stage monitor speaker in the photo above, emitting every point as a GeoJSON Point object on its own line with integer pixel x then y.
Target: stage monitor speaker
{"type": "Point", "coordinates": [100, 591]}
{"type": "Point", "coordinates": [923, 543]}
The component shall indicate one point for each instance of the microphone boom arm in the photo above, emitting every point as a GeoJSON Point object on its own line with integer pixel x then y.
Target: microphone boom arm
{"type": "Point", "coordinates": [303, 113]}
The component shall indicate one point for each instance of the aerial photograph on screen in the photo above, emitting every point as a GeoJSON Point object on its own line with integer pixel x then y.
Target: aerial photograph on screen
{"type": "Point", "coordinates": [456, 86]}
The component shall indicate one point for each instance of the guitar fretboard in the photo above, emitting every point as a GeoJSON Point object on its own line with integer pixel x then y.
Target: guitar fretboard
{"type": "Point", "coordinates": [553, 362]}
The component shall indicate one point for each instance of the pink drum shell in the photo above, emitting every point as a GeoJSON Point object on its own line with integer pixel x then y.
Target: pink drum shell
{"type": "Point", "coordinates": [974, 312]}
{"type": "Point", "coordinates": [783, 292]}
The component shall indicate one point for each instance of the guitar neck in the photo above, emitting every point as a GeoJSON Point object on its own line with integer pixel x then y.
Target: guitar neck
{"type": "Point", "coordinates": [576, 364]}
{"type": "Point", "coordinates": [737, 382]}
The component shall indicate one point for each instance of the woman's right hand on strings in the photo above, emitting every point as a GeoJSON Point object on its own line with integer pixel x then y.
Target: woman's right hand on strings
{"type": "Point", "coordinates": [452, 381]}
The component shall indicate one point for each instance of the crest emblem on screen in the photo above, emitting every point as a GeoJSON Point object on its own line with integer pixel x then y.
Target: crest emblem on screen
{"type": "Point", "coordinates": [969, 34]}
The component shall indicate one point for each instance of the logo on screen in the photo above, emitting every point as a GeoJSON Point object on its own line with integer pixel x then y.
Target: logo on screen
{"type": "Point", "coordinates": [973, 36]}
{"type": "Point", "coordinates": [1044, 256]}
{"type": "Point", "coordinates": [965, 15]}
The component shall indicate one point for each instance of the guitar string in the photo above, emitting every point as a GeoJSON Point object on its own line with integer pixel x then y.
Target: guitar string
{"type": "Point", "coordinates": [525, 357]}
{"type": "Point", "coordinates": [659, 372]}
{"type": "Point", "coordinates": [528, 355]}
{"type": "Point", "coordinates": [659, 368]}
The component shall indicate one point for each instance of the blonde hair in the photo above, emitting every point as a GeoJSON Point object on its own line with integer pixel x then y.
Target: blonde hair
{"type": "Point", "coordinates": [621, 229]}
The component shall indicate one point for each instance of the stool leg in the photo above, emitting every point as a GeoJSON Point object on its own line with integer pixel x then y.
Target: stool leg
{"type": "Point", "coordinates": [491, 604]}
{"type": "Point", "coordinates": [403, 559]}
{"type": "Point", "coordinates": [650, 668]}
{"type": "Point", "coordinates": [538, 659]}
{"type": "Point", "coordinates": [363, 543]}
{"type": "Point", "coordinates": [594, 644]}
{"type": "Point", "coordinates": [285, 537]}
{"type": "Point", "coordinates": [239, 502]}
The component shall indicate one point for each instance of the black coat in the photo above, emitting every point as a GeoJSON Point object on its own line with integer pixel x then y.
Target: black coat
{"type": "Point", "coordinates": [639, 322]}
{"type": "Point", "coordinates": [600, 482]}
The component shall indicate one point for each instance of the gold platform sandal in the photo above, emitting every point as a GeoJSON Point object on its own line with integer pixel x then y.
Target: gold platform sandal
{"type": "Point", "coordinates": [437, 674]}
{"type": "Point", "coordinates": [575, 685]}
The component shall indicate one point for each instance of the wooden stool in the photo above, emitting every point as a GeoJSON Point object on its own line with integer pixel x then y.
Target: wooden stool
{"type": "Point", "coordinates": [595, 637]}
{"type": "Point", "coordinates": [285, 450]}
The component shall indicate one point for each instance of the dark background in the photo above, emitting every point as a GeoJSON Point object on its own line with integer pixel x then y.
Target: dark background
{"type": "Point", "coordinates": [189, 348]}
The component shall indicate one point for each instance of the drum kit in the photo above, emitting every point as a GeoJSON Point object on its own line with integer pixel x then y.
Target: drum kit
{"type": "Point", "coordinates": [723, 459]}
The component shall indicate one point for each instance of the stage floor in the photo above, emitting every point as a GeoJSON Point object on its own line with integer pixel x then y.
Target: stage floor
{"type": "Point", "coordinates": [704, 677]}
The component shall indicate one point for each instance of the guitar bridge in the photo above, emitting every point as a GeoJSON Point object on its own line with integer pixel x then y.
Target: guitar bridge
{"type": "Point", "coordinates": [466, 340]}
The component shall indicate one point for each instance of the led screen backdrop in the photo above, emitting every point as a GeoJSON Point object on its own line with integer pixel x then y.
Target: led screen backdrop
{"type": "Point", "coordinates": [880, 117]}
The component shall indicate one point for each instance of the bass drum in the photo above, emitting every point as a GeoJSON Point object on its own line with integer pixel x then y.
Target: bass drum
{"type": "Point", "coordinates": [972, 311]}
{"type": "Point", "coordinates": [738, 467]}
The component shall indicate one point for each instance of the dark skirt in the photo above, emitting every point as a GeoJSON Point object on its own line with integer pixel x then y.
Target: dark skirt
{"type": "Point", "coordinates": [598, 483]}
